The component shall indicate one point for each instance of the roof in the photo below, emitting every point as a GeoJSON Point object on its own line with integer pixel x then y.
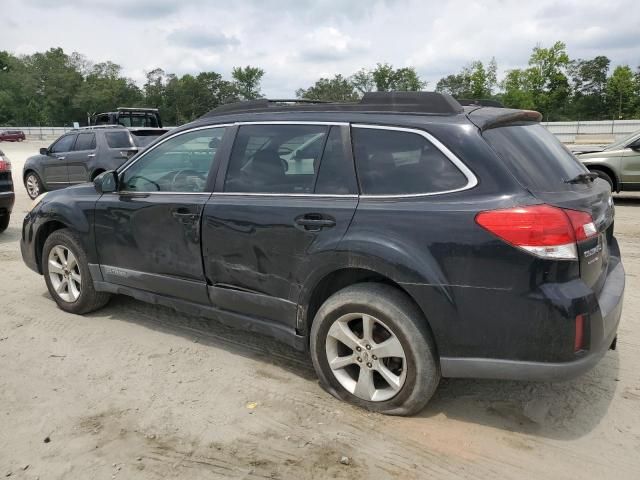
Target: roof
{"type": "Point", "coordinates": [419, 103]}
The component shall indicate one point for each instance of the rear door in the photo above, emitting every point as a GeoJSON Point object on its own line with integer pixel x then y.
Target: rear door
{"type": "Point", "coordinates": [54, 166]}
{"type": "Point", "coordinates": [78, 159]}
{"type": "Point", "coordinates": [545, 167]}
{"type": "Point", "coordinates": [630, 168]}
{"type": "Point", "coordinates": [286, 195]}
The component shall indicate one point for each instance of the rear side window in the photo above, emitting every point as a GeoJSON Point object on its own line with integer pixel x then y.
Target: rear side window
{"type": "Point", "coordinates": [395, 162]}
{"type": "Point", "coordinates": [536, 158]}
{"type": "Point", "coordinates": [85, 141]}
{"type": "Point", "coordinates": [275, 158]}
{"type": "Point", "coordinates": [120, 139]}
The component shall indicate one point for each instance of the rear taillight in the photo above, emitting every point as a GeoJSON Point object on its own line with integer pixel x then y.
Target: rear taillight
{"type": "Point", "coordinates": [5, 165]}
{"type": "Point", "coordinates": [543, 230]}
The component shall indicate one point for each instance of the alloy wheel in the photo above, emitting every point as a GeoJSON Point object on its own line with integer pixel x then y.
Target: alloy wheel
{"type": "Point", "coordinates": [366, 357]}
{"type": "Point", "coordinates": [64, 273]}
{"type": "Point", "coordinates": [33, 186]}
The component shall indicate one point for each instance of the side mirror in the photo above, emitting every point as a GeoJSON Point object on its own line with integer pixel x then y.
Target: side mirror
{"type": "Point", "coordinates": [44, 151]}
{"type": "Point", "coordinates": [106, 182]}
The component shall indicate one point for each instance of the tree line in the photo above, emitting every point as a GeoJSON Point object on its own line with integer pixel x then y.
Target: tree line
{"type": "Point", "coordinates": [56, 88]}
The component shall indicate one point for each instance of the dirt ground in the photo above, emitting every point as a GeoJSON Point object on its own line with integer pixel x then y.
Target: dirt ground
{"type": "Point", "coordinates": [139, 391]}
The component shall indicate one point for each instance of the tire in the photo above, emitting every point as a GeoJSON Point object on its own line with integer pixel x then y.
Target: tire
{"type": "Point", "coordinates": [4, 222]}
{"type": "Point", "coordinates": [33, 185]}
{"type": "Point", "coordinates": [605, 176]}
{"type": "Point", "coordinates": [391, 312]}
{"type": "Point", "coordinates": [79, 295]}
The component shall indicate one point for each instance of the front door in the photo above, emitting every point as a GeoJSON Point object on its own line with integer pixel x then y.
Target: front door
{"type": "Point", "coordinates": [80, 157]}
{"type": "Point", "coordinates": [283, 203]}
{"type": "Point", "coordinates": [148, 233]}
{"type": "Point", "coordinates": [54, 165]}
{"type": "Point", "coordinates": [630, 168]}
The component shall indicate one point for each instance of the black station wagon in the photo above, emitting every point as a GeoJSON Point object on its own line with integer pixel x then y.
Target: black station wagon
{"type": "Point", "coordinates": [399, 239]}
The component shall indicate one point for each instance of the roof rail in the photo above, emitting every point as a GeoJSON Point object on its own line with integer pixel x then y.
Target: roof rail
{"type": "Point", "coordinates": [141, 109]}
{"type": "Point", "coordinates": [480, 102]}
{"type": "Point", "coordinates": [99, 127]}
{"type": "Point", "coordinates": [430, 103]}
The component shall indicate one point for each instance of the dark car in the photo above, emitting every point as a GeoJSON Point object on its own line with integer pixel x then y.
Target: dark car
{"type": "Point", "coordinates": [80, 155]}
{"type": "Point", "coordinates": [129, 117]}
{"type": "Point", "coordinates": [12, 136]}
{"type": "Point", "coordinates": [7, 197]}
{"type": "Point", "coordinates": [399, 239]}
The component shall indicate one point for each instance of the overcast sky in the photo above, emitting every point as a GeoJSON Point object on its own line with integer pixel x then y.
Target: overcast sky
{"type": "Point", "coordinates": [298, 41]}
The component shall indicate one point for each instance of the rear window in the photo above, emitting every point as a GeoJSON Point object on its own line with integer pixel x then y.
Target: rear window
{"type": "Point", "coordinates": [536, 157]}
{"type": "Point", "coordinates": [145, 137]}
{"type": "Point", "coordinates": [392, 162]}
{"type": "Point", "coordinates": [120, 139]}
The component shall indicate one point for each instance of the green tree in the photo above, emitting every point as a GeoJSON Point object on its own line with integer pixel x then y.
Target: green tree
{"type": "Point", "coordinates": [387, 79]}
{"type": "Point", "coordinates": [588, 84]}
{"type": "Point", "coordinates": [247, 81]}
{"type": "Point", "coordinates": [621, 93]}
{"type": "Point", "coordinates": [362, 81]}
{"type": "Point", "coordinates": [336, 89]}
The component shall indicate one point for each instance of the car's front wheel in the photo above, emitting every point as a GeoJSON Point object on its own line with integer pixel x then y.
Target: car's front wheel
{"type": "Point", "coordinates": [67, 275]}
{"type": "Point", "coordinates": [371, 347]}
{"type": "Point", "coordinates": [33, 185]}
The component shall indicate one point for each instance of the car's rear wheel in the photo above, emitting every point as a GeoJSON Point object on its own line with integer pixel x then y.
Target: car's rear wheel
{"type": "Point", "coordinates": [33, 185]}
{"type": "Point", "coordinates": [4, 222]}
{"type": "Point", "coordinates": [371, 347]}
{"type": "Point", "coordinates": [67, 275]}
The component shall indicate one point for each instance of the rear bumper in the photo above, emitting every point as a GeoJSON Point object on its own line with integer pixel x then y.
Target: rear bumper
{"type": "Point", "coordinates": [604, 320]}
{"type": "Point", "coordinates": [7, 199]}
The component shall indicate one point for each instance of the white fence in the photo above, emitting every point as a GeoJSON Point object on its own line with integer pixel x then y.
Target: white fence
{"type": "Point", "coordinates": [567, 132]}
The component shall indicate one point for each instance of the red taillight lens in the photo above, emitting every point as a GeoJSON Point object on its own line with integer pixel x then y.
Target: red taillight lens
{"type": "Point", "coordinates": [543, 230]}
{"type": "Point", "coordinates": [5, 165]}
{"type": "Point", "coordinates": [578, 343]}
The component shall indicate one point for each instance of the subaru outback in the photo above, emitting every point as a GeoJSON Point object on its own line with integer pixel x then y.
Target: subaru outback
{"type": "Point", "coordinates": [399, 239]}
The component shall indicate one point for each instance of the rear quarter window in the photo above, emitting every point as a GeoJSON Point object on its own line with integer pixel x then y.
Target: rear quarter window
{"type": "Point", "coordinates": [120, 139]}
{"type": "Point", "coordinates": [396, 162]}
{"type": "Point", "coordinates": [535, 156]}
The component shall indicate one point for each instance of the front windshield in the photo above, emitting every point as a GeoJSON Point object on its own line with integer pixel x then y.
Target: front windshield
{"type": "Point", "coordinates": [625, 141]}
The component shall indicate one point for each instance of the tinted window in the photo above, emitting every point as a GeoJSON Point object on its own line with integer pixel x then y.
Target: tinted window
{"type": "Point", "coordinates": [391, 162]}
{"type": "Point", "coordinates": [336, 175]}
{"type": "Point", "coordinates": [64, 144]}
{"type": "Point", "coordinates": [120, 139]}
{"type": "Point", "coordinates": [537, 159]}
{"type": "Point", "coordinates": [102, 119]}
{"type": "Point", "coordinates": [85, 141]}
{"type": "Point", "coordinates": [145, 137]}
{"type": "Point", "coordinates": [275, 158]}
{"type": "Point", "coordinates": [181, 164]}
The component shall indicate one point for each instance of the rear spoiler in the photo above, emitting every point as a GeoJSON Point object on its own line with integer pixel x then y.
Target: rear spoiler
{"type": "Point", "coordinates": [491, 117]}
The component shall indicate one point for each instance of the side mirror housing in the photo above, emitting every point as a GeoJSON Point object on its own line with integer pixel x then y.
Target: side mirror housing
{"type": "Point", "coordinates": [106, 182]}
{"type": "Point", "coordinates": [44, 151]}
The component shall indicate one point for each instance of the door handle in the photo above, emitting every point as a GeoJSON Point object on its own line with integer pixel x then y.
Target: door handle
{"type": "Point", "coordinates": [91, 155]}
{"type": "Point", "coordinates": [184, 215]}
{"type": "Point", "coordinates": [60, 157]}
{"type": "Point", "coordinates": [315, 222]}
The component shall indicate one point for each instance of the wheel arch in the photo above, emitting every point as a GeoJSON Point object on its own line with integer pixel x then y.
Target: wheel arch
{"type": "Point", "coordinates": [320, 289]}
{"type": "Point", "coordinates": [609, 171]}
{"type": "Point", "coordinates": [43, 233]}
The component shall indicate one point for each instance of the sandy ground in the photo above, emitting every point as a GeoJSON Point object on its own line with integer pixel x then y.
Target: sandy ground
{"type": "Point", "coordinates": [138, 391]}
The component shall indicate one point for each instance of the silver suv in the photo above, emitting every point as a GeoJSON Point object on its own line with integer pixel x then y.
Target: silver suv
{"type": "Point", "coordinates": [618, 163]}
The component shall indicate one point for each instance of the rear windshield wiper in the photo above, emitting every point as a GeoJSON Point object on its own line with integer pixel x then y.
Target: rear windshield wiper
{"type": "Point", "coordinates": [583, 178]}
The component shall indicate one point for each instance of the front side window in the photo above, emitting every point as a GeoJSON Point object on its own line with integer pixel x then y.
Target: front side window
{"type": "Point", "coordinates": [64, 144]}
{"type": "Point", "coordinates": [85, 141]}
{"type": "Point", "coordinates": [394, 162]}
{"type": "Point", "coordinates": [275, 158]}
{"type": "Point", "coordinates": [180, 164]}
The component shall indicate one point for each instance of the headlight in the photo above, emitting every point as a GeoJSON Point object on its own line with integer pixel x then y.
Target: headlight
{"type": "Point", "coordinates": [36, 201]}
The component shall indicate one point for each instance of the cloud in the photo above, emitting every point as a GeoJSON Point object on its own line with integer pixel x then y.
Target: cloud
{"type": "Point", "coordinates": [298, 41]}
{"type": "Point", "coordinates": [201, 38]}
